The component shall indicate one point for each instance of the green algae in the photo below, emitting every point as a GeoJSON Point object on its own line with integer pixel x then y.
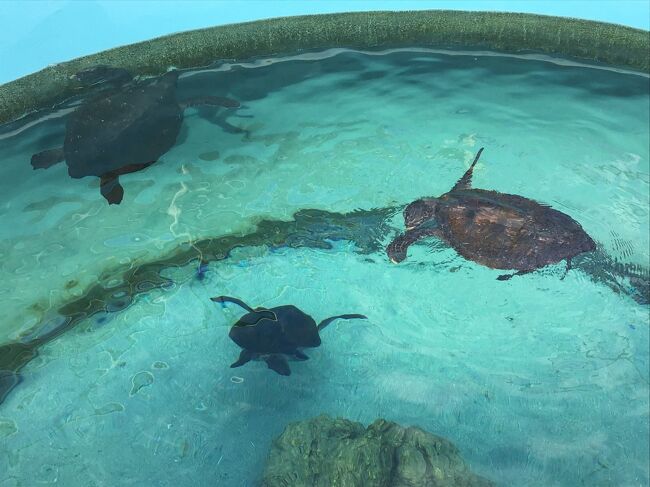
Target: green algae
{"type": "Point", "coordinates": [309, 228]}
{"type": "Point", "coordinates": [7, 427]}
{"type": "Point", "coordinates": [141, 380]}
{"type": "Point", "coordinates": [12, 355]}
{"type": "Point", "coordinates": [117, 288]}
{"type": "Point", "coordinates": [110, 408]}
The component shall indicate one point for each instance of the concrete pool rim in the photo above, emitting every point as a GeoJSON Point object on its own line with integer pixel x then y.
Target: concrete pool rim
{"type": "Point", "coordinates": [581, 40]}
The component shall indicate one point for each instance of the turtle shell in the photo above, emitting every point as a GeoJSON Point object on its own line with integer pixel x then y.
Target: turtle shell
{"type": "Point", "coordinates": [292, 329]}
{"type": "Point", "coordinates": [505, 231]}
{"type": "Point", "coordinates": [133, 126]}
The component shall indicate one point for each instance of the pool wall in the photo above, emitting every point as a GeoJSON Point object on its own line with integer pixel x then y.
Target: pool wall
{"type": "Point", "coordinates": [599, 42]}
{"type": "Point", "coordinates": [45, 32]}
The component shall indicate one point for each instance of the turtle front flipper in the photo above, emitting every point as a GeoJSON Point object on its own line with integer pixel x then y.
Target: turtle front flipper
{"type": "Point", "coordinates": [396, 250]}
{"type": "Point", "coordinates": [278, 363]}
{"type": "Point", "coordinates": [213, 101]}
{"type": "Point", "coordinates": [111, 188]}
{"type": "Point", "coordinates": [244, 357]}
{"type": "Point", "coordinates": [466, 181]}
{"type": "Point", "coordinates": [129, 168]}
{"type": "Point", "coordinates": [228, 299]}
{"type": "Point", "coordinates": [327, 321]}
{"type": "Point", "coordinates": [253, 316]}
{"type": "Point", "coordinates": [48, 158]}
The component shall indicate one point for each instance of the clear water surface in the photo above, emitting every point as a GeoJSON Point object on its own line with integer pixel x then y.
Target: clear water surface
{"type": "Point", "coordinates": [539, 381]}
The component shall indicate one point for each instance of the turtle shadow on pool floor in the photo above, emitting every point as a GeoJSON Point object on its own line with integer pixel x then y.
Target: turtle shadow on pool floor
{"type": "Point", "coordinates": [123, 128]}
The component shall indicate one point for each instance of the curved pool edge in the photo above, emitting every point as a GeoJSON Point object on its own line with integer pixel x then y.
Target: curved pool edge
{"type": "Point", "coordinates": [612, 44]}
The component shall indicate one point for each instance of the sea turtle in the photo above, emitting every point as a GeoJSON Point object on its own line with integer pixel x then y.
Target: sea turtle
{"type": "Point", "coordinates": [498, 230]}
{"type": "Point", "coordinates": [270, 334]}
{"type": "Point", "coordinates": [122, 129]}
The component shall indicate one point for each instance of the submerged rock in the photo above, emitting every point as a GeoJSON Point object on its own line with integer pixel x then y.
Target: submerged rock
{"type": "Point", "coordinates": [326, 452]}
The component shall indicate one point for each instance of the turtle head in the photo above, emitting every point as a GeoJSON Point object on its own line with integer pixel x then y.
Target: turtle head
{"type": "Point", "coordinates": [419, 212]}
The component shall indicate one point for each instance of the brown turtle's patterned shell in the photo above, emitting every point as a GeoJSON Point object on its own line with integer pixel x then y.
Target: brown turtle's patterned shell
{"type": "Point", "coordinates": [505, 231]}
{"type": "Point", "coordinates": [124, 129]}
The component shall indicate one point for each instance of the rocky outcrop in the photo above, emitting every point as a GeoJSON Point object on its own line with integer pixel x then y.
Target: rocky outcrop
{"type": "Point", "coordinates": [327, 452]}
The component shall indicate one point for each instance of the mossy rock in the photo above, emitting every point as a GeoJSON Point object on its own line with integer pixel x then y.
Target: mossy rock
{"type": "Point", "coordinates": [327, 452]}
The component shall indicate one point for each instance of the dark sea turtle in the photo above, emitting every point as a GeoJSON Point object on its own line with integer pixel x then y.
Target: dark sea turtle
{"type": "Point", "coordinates": [122, 129]}
{"type": "Point", "coordinates": [497, 230]}
{"type": "Point", "coordinates": [272, 334]}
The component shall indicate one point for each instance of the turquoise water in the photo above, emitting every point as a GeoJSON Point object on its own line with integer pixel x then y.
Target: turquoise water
{"type": "Point", "coordinates": [539, 381]}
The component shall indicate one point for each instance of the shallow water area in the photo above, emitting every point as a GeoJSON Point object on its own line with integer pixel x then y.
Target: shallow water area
{"type": "Point", "coordinates": [539, 380]}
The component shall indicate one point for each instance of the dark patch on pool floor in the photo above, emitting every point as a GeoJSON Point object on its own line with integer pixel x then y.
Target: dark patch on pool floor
{"type": "Point", "coordinates": [310, 228]}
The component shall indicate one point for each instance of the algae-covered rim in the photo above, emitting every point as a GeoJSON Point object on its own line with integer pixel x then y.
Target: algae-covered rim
{"type": "Point", "coordinates": [600, 42]}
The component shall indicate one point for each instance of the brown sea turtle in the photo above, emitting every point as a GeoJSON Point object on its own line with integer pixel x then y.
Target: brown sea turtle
{"type": "Point", "coordinates": [271, 334]}
{"type": "Point", "coordinates": [497, 230]}
{"type": "Point", "coordinates": [122, 129]}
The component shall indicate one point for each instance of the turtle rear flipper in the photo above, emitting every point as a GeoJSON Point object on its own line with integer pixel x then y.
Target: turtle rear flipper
{"type": "Point", "coordinates": [568, 268]}
{"type": "Point", "coordinates": [244, 357]}
{"type": "Point", "coordinates": [299, 355]}
{"type": "Point", "coordinates": [214, 101]}
{"type": "Point", "coordinates": [111, 188]}
{"type": "Point", "coordinates": [466, 181]}
{"type": "Point", "coordinates": [278, 363]}
{"type": "Point", "coordinates": [47, 158]}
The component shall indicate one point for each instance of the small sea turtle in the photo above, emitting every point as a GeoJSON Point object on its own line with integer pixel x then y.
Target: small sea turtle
{"type": "Point", "coordinates": [123, 129]}
{"type": "Point", "coordinates": [270, 334]}
{"type": "Point", "coordinates": [498, 230]}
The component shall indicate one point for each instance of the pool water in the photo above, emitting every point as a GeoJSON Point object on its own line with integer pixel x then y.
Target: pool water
{"type": "Point", "coordinates": [291, 199]}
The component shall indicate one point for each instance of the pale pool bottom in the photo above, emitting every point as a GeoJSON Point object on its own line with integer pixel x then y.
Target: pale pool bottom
{"type": "Point", "coordinates": [539, 382]}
